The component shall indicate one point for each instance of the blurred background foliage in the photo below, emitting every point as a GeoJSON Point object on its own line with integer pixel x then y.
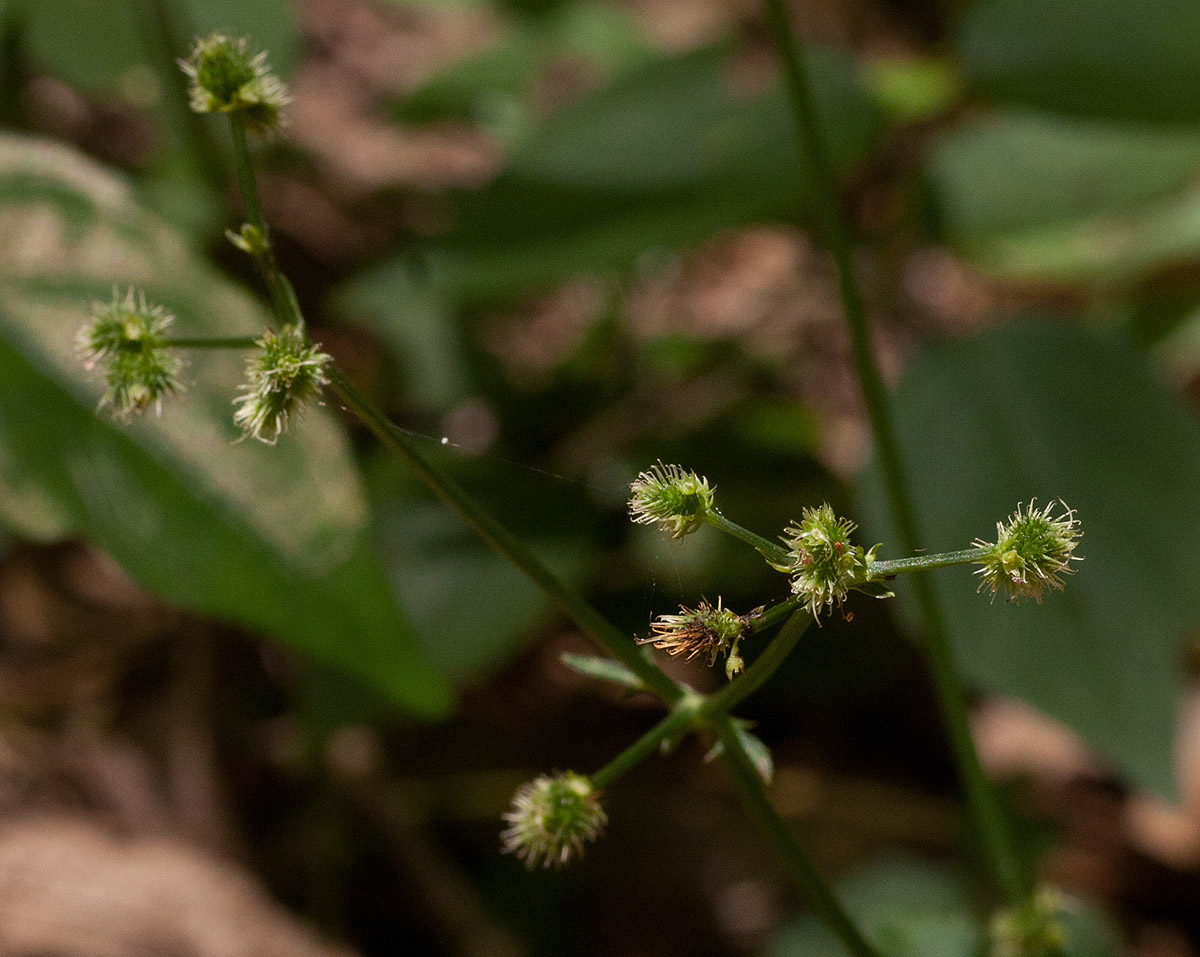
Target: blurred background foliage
{"type": "Point", "coordinates": [560, 240]}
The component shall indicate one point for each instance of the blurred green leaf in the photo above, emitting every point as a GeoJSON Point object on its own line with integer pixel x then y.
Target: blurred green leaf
{"type": "Point", "coordinates": [472, 609]}
{"type": "Point", "coordinates": [906, 908]}
{"type": "Point", "coordinates": [415, 325]}
{"type": "Point", "coordinates": [1123, 59]}
{"type": "Point", "coordinates": [1006, 174]}
{"type": "Point", "coordinates": [487, 85]}
{"type": "Point", "coordinates": [273, 538]}
{"type": "Point", "coordinates": [98, 46]}
{"type": "Point", "coordinates": [665, 156]}
{"type": "Point", "coordinates": [1037, 409]}
{"type": "Point", "coordinates": [603, 669]}
{"type": "Point", "coordinates": [1034, 198]}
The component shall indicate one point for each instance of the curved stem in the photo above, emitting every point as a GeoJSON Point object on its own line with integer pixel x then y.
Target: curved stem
{"type": "Point", "coordinates": [619, 645]}
{"type": "Point", "coordinates": [750, 792]}
{"type": "Point", "coordinates": [775, 554]}
{"type": "Point", "coordinates": [765, 665]}
{"type": "Point", "coordinates": [677, 721]}
{"type": "Point", "coordinates": [951, 696]}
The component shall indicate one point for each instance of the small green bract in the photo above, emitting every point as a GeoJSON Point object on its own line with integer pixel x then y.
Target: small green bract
{"type": "Point", "coordinates": [282, 377]}
{"type": "Point", "coordinates": [127, 337]}
{"type": "Point", "coordinates": [227, 78]}
{"type": "Point", "coordinates": [676, 499]}
{"type": "Point", "coordinates": [552, 819]}
{"type": "Point", "coordinates": [1032, 551]}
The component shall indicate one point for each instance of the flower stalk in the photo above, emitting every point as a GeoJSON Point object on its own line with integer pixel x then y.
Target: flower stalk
{"type": "Point", "coordinates": [988, 817]}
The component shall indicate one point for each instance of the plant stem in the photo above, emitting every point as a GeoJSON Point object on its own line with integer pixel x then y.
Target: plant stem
{"type": "Point", "coordinates": [989, 819]}
{"type": "Point", "coordinates": [748, 786]}
{"type": "Point", "coordinates": [897, 566]}
{"type": "Point", "coordinates": [765, 665]}
{"type": "Point", "coordinates": [244, 167]}
{"type": "Point", "coordinates": [679, 719]}
{"type": "Point", "coordinates": [279, 287]}
{"type": "Point", "coordinates": [693, 710]}
{"type": "Point", "coordinates": [683, 704]}
{"type": "Point", "coordinates": [233, 342]}
{"type": "Point", "coordinates": [775, 554]}
{"type": "Point", "coordinates": [619, 645]}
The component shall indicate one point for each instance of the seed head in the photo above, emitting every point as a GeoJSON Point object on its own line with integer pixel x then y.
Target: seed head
{"type": "Point", "coordinates": [225, 77]}
{"type": "Point", "coordinates": [127, 337]}
{"type": "Point", "coordinates": [824, 564]}
{"type": "Point", "coordinates": [1032, 551]}
{"type": "Point", "coordinates": [676, 499]}
{"type": "Point", "coordinates": [703, 630]}
{"type": "Point", "coordinates": [552, 818]}
{"type": "Point", "coordinates": [282, 377]}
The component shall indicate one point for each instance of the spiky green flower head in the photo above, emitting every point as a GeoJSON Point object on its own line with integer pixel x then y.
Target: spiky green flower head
{"type": "Point", "coordinates": [703, 630]}
{"type": "Point", "coordinates": [283, 376]}
{"type": "Point", "coordinates": [552, 819]}
{"type": "Point", "coordinates": [128, 337]}
{"type": "Point", "coordinates": [226, 77]}
{"type": "Point", "coordinates": [825, 564]}
{"type": "Point", "coordinates": [1033, 929]}
{"type": "Point", "coordinates": [674, 498]}
{"type": "Point", "coordinates": [1032, 551]}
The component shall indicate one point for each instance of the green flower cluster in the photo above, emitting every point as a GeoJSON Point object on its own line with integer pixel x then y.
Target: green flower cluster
{"type": "Point", "coordinates": [825, 564]}
{"type": "Point", "coordinates": [675, 499]}
{"type": "Point", "coordinates": [282, 377]}
{"type": "Point", "coordinates": [1031, 553]}
{"type": "Point", "coordinates": [225, 77]}
{"type": "Point", "coordinates": [552, 819]}
{"type": "Point", "coordinates": [127, 337]}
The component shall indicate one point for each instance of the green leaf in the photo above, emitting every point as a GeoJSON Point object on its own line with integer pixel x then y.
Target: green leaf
{"type": "Point", "coordinates": [1124, 59]}
{"type": "Point", "coordinates": [1040, 199]}
{"type": "Point", "coordinates": [98, 46]}
{"type": "Point", "coordinates": [906, 908]}
{"type": "Point", "coordinates": [472, 609]}
{"type": "Point", "coordinates": [663, 157]}
{"type": "Point", "coordinates": [758, 753]}
{"type": "Point", "coordinates": [1004, 173]}
{"type": "Point", "coordinates": [1037, 409]}
{"type": "Point", "coordinates": [272, 538]}
{"type": "Point", "coordinates": [603, 669]}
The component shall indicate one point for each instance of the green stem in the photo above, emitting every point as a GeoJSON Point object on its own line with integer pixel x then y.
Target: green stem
{"type": "Point", "coordinates": [679, 700]}
{"type": "Point", "coordinates": [619, 645]}
{"type": "Point", "coordinates": [233, 342]}
{"type": "Point", "coordinates": [898, 566]}
{"type": "Point", "coordinates": [694, 710]}
{"type": "Point", "coordinates": [749, 788]}
{"type": "Point", "coordinates": [777, 555]}
{"type": "Point", "coordinates": [678, 720]}
{"type": "Point", "coordinates": [244, 167]}
{"type": "Point", "coordinates": [283, 296]}
{"type": "Point", "coordinates": [951, 696]}
{"type": "Point", "coordinates": [765, 665]}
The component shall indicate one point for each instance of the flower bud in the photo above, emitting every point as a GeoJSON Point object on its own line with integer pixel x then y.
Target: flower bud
{"type": "Point", "coordinates": [283, 376]}
{"type": "Point", "coordinates": [128, 338]}
{"type": "Point", "coordinates": [824, 564]}
{"type": "Point", "coordinates": [1031, 552]}
{"type": "Point", "coordinates": [703, 630]}
{"type": "Point", "coordinates": [552, 819]}
{"type": "Point", "coordinates": [225, 77]}
{"type": "Point", "coordinates": [677, 500]}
